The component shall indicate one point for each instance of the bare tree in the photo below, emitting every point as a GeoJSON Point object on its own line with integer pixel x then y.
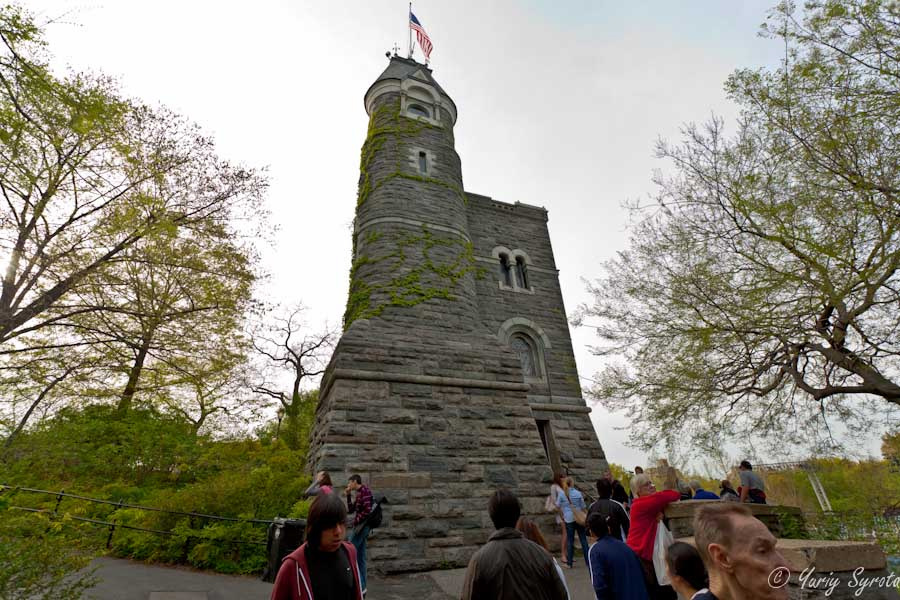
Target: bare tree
{"type": "Point", "coordinates": [292, 354]}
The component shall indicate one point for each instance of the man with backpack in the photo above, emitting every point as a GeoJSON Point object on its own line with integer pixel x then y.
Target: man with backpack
{"type": "Point", "coordinates": [361, 508]}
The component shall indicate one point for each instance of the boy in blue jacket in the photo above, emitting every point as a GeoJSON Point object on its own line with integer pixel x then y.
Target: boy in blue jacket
{"type": "Point", "coordinates": [616, 571]}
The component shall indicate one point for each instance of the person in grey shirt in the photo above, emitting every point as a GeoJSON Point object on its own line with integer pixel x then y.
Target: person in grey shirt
{"type": "Point", "coordinates": [752, 487]}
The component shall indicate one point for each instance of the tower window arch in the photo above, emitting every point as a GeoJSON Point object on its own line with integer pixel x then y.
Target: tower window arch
{"type": "Point", "coordinates": [505, 270]}
{"type": "Point", "coordinates": [521, 273]}
{"type": "Point", "coordinates": [526, 349]}
{"type": "Point", "coordinates": [418, 110]}
{"type": "Point", "coordinates": [423, 162]}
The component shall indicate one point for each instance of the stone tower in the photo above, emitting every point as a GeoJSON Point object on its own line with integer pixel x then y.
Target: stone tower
{"type": "Point", "coordinates": [455, 373]}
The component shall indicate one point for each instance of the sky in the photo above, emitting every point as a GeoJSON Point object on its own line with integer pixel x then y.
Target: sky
{"type": "Point", "coordinates": [560, 105]}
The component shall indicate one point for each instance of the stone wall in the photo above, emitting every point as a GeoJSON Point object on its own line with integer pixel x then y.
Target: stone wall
{"type": "Point", "coordinates": [556, 396]}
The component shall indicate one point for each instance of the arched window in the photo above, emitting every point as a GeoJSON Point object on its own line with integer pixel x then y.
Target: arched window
{"type": "Point", "coordinates": [505, 270]}
{"type": "Point", "coordinates": [521, 273]}
{"type": "Point", "coordinates": [423, 162]}
{"type": "Point", "coordinates": [526, 350]}
{"type": "Point", "coordinates": [418, 110]}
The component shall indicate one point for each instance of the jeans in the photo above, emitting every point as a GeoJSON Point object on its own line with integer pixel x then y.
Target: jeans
{"type": "Point", "coordinates": [359, 542]}
{"type": "Point", "coordinates": [571, 528]}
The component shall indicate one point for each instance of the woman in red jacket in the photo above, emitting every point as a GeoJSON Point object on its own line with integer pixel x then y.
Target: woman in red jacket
{"type": "Point", "coordinates": [323, 568]}
{"type": "Point", "coordinates": [646, 513]}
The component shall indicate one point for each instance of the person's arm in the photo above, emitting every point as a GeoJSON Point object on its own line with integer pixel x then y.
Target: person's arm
{"type": "Point", "coordinates": [598, 581]}
{"type": "Point", "coordinates": [468, 588]}
{"type": "Point", "coordinates": [624, 521]}
{"type": "Point", "coordinates": [285, 581]}
{"type": "Point", "coordinates": [657, 502]}
{"type": "Point", "coordinates": [560, 587]}
{"type": "Point", "coordinates": [312, 490]}
{"type": "Point", "coordinates": [363, 504]}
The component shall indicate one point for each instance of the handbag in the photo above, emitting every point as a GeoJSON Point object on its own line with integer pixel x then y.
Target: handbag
{"type": "Point", "coordinates": [663, 540]}
{"type": "Point", "coordinates": [550, 504]}
{"type": "Point", "coordinates": [580, 515]}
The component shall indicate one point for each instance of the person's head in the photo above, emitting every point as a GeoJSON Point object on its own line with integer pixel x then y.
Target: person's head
{"type": "Point", "coordinates": [608, 475]}
{"type": "Point", "coordinates": [324, 478]}
{"type": "Point", "coordinates": [504, 509]}
{"type": "Point", "coordinates": [597, 525]}
{"type": "Point", "coordinates": [325, 526]}
{"type": "Point", "coordinates": [570, 483]}
{"type": "Point", "coordinates": [355, 482]}
{"type": "Point", "coordinates": [685, 568]}
{"type": "Point", "coordinates": [532, 532]}
{"type": "Point", "coordinates": [726, 485]}
{"type": "Point", "coordinates": [746, 466]}
{"type": "Point", "coordinates": [604, 489]}
{"type": "Point", "coordinates": [739, 549]}
{"type": "Point", "coordinates": [559, 479]}
{"type": "Point", "coordinates": [684, 488]}
{"type": "Point", "coordinates": [641, 485]}
{"type": "Point", "coordinates": [638, 470]}
{"type": "Point", "coordinates": [694, 485]}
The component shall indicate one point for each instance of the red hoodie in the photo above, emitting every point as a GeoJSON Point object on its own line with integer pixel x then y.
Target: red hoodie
{"type": "Point", "coordinates": [642, 532]}
{"type": "Point", "coordinates": [293, 582]}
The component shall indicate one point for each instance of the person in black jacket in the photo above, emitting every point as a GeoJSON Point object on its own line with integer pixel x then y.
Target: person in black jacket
{"type": "Point", "coordinates": [510, 567]}
{"type": "Point", "coordinates": [613, 512]}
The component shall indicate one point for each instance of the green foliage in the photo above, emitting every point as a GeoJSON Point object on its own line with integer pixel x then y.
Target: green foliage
{"type": "Point", "coordinates": [150, 459]}
{"type": "Point", "coordinates": [40, 562]}
{"type": "Point", "coordinates": [758, 296]}
{"type": "Point", "coordinates": [411, 285]}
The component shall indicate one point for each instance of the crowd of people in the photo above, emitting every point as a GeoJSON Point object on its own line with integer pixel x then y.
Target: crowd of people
{"type": "Point", "coordinates": [631, 554]}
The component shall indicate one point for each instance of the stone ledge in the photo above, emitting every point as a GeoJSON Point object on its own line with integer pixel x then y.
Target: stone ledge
{"type": "Point", "coordinates": [463, 382]}
{"type": "Point", "coordinates": [827, 555]}
{"type": "Point", "coordinates": [686, 508]}
{"type": "Point", "coordinates": [560, 408]}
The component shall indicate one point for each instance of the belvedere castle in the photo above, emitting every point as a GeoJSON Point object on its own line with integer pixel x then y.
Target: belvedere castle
{"type": "Point", "coordinates": [455, 374]}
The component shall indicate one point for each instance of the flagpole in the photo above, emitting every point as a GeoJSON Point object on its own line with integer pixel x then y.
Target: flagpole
{"type": "Point", "coordinates": [408, 21]}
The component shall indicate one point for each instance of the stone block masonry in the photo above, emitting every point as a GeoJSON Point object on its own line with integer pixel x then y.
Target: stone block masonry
{"type": "Point", "coordinates": [453, 378]}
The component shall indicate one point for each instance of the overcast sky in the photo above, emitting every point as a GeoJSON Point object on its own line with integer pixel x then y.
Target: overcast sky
{"type": "Point", "coordinates": [560, 104]}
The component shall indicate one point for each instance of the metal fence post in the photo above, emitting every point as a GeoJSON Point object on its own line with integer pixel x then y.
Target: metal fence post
{"type": "Point", "coordinates": [59, 498]}
{"type": "Point", "coordinates": [112, 526]}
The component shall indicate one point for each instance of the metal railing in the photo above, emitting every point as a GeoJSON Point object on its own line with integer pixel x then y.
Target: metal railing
{"type": "Point", "coordinates": [113, 525]}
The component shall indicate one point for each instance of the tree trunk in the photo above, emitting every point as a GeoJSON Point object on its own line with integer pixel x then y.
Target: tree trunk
{"type": "Point", "coordinates": [134, 375]}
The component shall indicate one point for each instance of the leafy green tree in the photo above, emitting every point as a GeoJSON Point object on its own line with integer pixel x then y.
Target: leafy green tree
{"type": "Point", "coordinates": [85, 176]}
{"type": "Point", "coordinates": [174, 313]}
{"type": "Point", "coordinates": [760, 293]}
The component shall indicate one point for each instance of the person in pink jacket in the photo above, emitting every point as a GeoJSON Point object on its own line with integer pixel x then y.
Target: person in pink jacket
{"type": "Point", "coordinates": [324, 567]}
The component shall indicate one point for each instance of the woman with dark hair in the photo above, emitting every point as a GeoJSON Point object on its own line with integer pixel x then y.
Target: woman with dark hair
{"type": "Point", "coordinates": [555, 488]}
{"type": "Point", "coordinates": [321, 485]}
{"type": "Point", "coordinates": [727, 492]}
{"type": "Point", "coordinates": [532, 532]}
{"type": "Point", "coordinates": [686, 570]}
{"type": "Point", "coordinates": [324, 567]}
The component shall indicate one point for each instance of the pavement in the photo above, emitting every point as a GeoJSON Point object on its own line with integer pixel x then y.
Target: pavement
{"type": "Point", "coordinates": [122, 579]}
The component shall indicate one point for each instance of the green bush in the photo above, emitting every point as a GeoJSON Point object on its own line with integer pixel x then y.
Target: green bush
{"type": "Point", "coordinates": [151, 459]}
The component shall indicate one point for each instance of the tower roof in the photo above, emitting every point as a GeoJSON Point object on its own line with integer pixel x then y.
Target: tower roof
{"type": "Point", "coordinates": [406, 68]}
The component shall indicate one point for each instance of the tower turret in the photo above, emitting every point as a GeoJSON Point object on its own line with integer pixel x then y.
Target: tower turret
{"type": "Point", "coordinates": [411, 241]}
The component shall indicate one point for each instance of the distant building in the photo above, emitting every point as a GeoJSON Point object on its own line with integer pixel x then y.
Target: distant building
{"type": "Point", "coordinates": [455, 374]}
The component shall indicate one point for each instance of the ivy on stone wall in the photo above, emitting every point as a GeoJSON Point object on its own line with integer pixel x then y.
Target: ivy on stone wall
{"type": "Point", "coordinates": [431, 278]}
{"type": "Point", "coordinates": [386, 122]}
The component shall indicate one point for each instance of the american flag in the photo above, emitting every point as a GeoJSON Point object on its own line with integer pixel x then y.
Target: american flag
{"type": "Point", "coordinates": [421, 36]}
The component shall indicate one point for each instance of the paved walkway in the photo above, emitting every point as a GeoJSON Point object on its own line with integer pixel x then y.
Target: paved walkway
{"type": "Point", "coordinates": [122, 579]}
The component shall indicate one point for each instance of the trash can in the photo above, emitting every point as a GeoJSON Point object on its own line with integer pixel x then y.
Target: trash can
{"type": "Point", "coordinates": [284, 536]}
